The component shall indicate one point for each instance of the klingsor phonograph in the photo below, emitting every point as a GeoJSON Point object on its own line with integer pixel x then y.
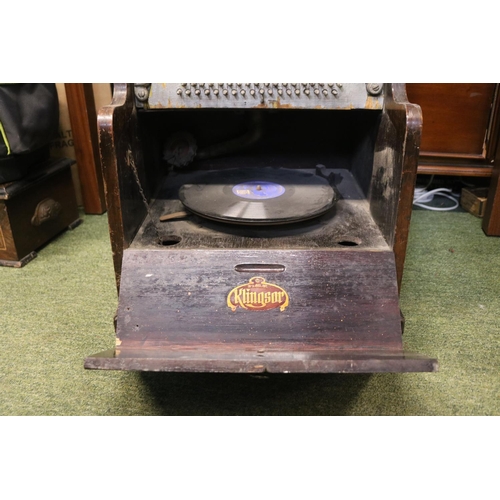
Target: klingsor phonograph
{"type": "Point", "coordinates": [259, 226]}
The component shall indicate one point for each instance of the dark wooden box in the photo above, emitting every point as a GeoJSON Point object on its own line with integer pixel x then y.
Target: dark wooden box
{"type": "Point", "coordinates": [34, 210]}
{"type": "Point", "coordinates": [317, 296]}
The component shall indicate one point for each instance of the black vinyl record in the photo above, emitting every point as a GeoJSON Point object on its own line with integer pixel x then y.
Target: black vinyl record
{"type": "Point", "coordinates": [258, 196]}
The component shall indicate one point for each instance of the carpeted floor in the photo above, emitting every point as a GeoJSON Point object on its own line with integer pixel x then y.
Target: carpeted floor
{"type": "Point", "coordinates": [59, 309]}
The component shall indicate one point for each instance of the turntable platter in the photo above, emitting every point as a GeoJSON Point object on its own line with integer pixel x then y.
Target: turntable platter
{"type": "Point", "coordinates": [258, 196]}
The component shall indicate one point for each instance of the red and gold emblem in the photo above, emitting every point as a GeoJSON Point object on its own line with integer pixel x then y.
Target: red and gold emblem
{"type": "Point", "coordinates": [258, 295]}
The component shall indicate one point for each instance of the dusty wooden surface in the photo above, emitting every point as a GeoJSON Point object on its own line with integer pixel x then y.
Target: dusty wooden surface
{"type": "Point", "coordinates": [119, 149]}
{"type": "Point", "coordinates": [348, 223]}
{"type": "Point", "coordinates": [337, 299]}
{"type": "Point", "coordinates": [260, 362]}
{"type": "Point", "coordinates": [394, 170]}
{"type": "Point", "coordinates": [183, 283]}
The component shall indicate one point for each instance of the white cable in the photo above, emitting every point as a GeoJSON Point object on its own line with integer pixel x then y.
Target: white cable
{"type": "Point", "coordinates": [421, 196]}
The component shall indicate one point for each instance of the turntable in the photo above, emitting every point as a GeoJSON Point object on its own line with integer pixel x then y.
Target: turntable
{"type": "Point", "coordinates": [259, 227]}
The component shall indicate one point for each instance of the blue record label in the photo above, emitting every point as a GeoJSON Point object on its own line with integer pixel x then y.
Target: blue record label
{"type": "Point", "coordinates": [258, 190]}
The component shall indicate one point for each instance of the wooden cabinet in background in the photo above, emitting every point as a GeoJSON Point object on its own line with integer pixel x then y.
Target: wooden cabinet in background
{"type": "Point", "coordinates": [460, 127]}
{"type": "Point", "coordinates": [460, 136]}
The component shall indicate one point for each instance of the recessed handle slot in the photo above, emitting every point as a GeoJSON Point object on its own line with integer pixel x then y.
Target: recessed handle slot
{"type": "Point", "coordinates": [259, 268]}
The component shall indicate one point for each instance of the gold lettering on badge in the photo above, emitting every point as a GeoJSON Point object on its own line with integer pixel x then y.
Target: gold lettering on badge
{"type": "Point", "coordinates": [258, 295]}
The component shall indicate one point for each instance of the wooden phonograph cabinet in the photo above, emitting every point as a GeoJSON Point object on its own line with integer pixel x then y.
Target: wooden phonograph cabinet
{"type": "Point", "coordinates": [259, 226]}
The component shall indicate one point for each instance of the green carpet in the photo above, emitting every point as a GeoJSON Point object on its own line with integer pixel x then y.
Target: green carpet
{"type": "Point", "coordinates": [59, 309]}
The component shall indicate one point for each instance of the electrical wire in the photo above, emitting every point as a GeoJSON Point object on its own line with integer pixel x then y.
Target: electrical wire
{"type": "Point", "coordinates": [421, 196]}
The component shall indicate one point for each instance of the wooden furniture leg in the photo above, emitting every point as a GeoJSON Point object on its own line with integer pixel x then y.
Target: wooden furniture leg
{"type": "Point", "coordinates": [82, 113]}
{"type": "Point", "coordinates": [491, 219]}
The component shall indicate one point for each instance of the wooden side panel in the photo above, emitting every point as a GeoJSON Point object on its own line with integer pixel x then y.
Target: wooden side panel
{"type": "Point", "coordinates": [395, 169]}
{"type": "Point", "coordinates": [120, 150]}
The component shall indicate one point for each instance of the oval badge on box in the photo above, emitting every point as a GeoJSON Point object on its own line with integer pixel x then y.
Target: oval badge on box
{"type": "Point", "coordinates": [258, 295]}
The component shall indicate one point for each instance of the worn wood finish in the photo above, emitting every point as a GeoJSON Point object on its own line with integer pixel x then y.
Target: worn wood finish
{"type": "Point", "coordinates": [335, 308]}
{"type": "Point", "coordinates": [21, 232]}
{"type": "Point", "coordinates": [474, 200]}
{"type": "Point", "coordinates": [258, 361]}
{"type": "Point", "coordinates": [342, 315]}
{"type": "Point", "coordinates": [82, 113]}
{"type": "Point", "coordinates": [18, 263]}
{"type": "Point", "coordinates": [411, 147]}
{"type": "Point", "coordinates": [395, 169]}
{"type": "Point", "coordinates": [348, 223]}
{"type": "Point", "coordinates": [337, 299]}
{"type": "Point", "coordinates": [120, 150]}
{"type": "Point", "coordinates": [8, 251]}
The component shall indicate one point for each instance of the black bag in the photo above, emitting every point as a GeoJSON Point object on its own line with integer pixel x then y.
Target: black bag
{"type": "Point", "coordinates": [29, 120]}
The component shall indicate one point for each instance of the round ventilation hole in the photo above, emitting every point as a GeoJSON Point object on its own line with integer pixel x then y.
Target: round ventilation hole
{"type": "Point", "coordinates": [170, 240]}
{"type": "Point", "coordinates": [348, 243]}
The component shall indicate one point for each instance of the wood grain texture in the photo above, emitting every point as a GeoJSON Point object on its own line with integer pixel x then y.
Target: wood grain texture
{"type": "Point", "coordinates": [8, 249]}
{"type": "Point", "coordinates": [455, 170]}
{"type": "Point", "coordinates": [348, 135]}
{"type": "Point", "coordinates": [456, 116]}
{"type": "Point", "coordinates": [178, 306]}
{"type": "Point", "coordinates": [395, 170]}
{"type": "Point", "coordinates": [247, 361]}
{"type": "Point", "coordinates": [343, 316]}
{"type": "Point", "coordinates": [118, 146]}
{"type": "Point", "coordinates": [337, 299]}
{"type": "Point", "coordinates": [82, 113]}
{"type": "Point", "coordinates": [491, 219]}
